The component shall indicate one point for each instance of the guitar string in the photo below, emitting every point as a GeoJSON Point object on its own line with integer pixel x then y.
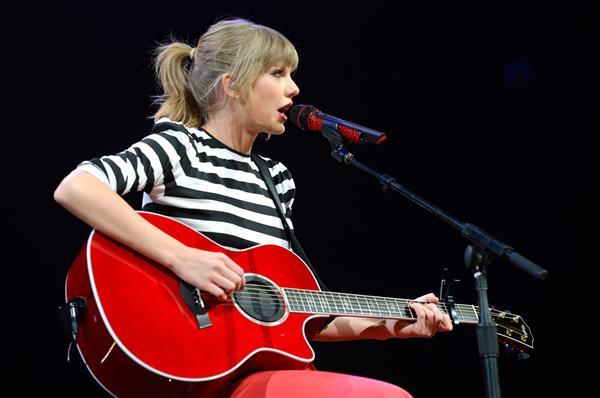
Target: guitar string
{"type": "Point", "coordinates": [251, 301]}
{"type": "Point", "coordinates": [258, 289]}
{"type": "Point", "coordinates": [360, 313]}
{"type": "Point", "coordinates": [261, 288]}
{"type": "Point", "coordinates": [473, 311]}
{"type": "Point", "coordinates": [254, 298]}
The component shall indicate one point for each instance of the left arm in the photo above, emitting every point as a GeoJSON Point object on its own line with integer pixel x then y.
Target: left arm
{"type": "Point", "coordinates": [430, 320]}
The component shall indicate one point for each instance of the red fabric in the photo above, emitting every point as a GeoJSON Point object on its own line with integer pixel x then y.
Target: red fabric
{"type": "Point", "coordinates": [311, 384]}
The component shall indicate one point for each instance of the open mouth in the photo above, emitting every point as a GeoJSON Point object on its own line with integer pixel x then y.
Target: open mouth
{"type": "Point", "coordinates": [283, 110]}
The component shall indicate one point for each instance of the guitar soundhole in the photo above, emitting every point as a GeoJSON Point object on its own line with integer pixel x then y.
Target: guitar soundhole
{"type": "Point", "coordinates": [260, 300]}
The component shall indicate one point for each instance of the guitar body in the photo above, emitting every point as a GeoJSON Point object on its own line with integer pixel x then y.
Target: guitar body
{"type": "Point", "coordinates": [138, 336]}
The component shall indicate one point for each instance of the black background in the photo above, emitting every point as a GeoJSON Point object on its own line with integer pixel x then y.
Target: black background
{"type": "Point", "coordinates": [488, 107]}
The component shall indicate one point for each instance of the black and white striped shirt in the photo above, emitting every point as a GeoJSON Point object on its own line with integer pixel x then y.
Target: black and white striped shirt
{"type": "Point", "coordinates": [189, 175]}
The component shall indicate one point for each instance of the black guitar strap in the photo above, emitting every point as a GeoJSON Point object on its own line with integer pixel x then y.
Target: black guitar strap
{"type": "Point", "coordinates": [294, 243]}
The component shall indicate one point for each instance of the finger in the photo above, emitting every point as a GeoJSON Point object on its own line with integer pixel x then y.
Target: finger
{"type": "Point", "coordinates": [419, 311]}
{"type": "Point", "coordinates": [430, 321]}
{"type": "Point", "coordinates": [429, 297]}
{"type": "Point", "coordinates": [225, 284]}
{"type": "Point", "coordinates": [236, 279]}
{"type": "Point", "coordinates": [215, 291]}
{"type": "Point", "coordinates": [437, 317]}
{"type": "Point", "coordinates": [423, 326]}
{"type": "Point", "coordinates": [234, 267]}
{"type": "Point", "coordinates": [447, 325]}
{"type": "Point", "coordinates": [434, 310]}
{"type": "Point", "coordinates": [442, 321]}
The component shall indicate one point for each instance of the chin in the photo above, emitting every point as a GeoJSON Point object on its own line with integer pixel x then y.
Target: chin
{"type": "Point", "coordinates": [278, 131]}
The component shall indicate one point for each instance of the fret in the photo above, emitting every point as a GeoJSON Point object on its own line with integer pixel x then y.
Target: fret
{"type": "Point", "coordinates": [299, 301]}
{"type": "Point", "coordinates": [337, 303]}
{"type": "Point", "coordinates": [443, 309]}
{"type": "Point", "coordinates": [408, 311]}
{"type": "Point", "coordinates": [319, 298]}
{"type": "Point", "coordinates": [369, 307]}
{"type": "Point", "coordinates": [304, 301]}
{"type": "Point", "coordinates": [290, 298]}
{"type": "Point", "coordinates": [356, 304]}
{"type": "Point", "coordinates": [460, 313]}
{"type": "Point", "coordinates": [472, 313]}
{"type": "Point", "coordinates": [311, 302]}
{"type": "Point", "coordinates": [384, 302]}
{"type": "Point", "coordinates": [359, 305]}
{"type": "Point", "coordinates": [364, 305]}
{"type": "Point", "coordinates": [376, 300]}
{"type": "Point", "coordinates": [331, 299]}
{"type": "Point", "coordinates": [466, 313]}
{"type": "Point", "coordinates": [337, 300]}
{"type": "Point", "coordinates": [347, 305]}
{"type": "Point", "coordinates": [373, 304]}
{"type": "Point", "coordinates": [324, 301]}
{"type": "Point", "coordinates": [392, 305]}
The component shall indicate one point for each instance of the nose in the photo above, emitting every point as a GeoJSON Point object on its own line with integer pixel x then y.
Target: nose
{"type": "Point", "coordinates": [292, 89]}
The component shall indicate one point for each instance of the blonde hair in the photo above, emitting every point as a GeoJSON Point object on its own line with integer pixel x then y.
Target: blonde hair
{"type": "Point", "coordinates": [237, 46]}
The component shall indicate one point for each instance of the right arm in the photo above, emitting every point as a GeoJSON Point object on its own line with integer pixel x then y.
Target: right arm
{"type": "Point", "coordinates": [92, 201]}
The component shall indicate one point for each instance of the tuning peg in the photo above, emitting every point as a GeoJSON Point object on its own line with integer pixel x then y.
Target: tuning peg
{"type": "Point", "coordinates": [514, 353]}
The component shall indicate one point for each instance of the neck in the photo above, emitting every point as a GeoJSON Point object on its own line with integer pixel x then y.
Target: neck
{"type": "Point", "coordinates": [226, 129]}
{"type": "Point", "coordinates": [354, 305]}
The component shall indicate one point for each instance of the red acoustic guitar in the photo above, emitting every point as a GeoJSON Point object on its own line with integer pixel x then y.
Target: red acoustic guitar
{"type": "Point", "coordinates": [146, 333]}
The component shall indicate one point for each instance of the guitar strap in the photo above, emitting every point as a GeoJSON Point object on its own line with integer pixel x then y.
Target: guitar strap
{"type": "Point", "coordinates": [295, 244]}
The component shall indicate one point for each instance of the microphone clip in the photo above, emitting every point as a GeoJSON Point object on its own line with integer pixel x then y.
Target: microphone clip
{"type": "Point", "coordinates": [329, 131]}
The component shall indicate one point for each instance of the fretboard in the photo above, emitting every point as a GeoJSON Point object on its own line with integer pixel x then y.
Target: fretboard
{"type": "Point", "coordinates": [344, 304]}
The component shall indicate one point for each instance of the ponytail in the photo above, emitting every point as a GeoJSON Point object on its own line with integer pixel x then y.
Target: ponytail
{"type": "Point", "coordinates": [171, 63]}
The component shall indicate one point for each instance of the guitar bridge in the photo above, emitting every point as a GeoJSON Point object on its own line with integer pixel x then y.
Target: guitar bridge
{"type": "Point", "coordinates": [192, 297]}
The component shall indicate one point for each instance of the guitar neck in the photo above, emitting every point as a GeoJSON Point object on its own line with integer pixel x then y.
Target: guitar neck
{"type": "Point", "coordinates": [356, 305]}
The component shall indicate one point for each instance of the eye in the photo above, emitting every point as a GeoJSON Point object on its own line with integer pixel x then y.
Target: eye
{"type": "Point", "coordinates": [277, 72]}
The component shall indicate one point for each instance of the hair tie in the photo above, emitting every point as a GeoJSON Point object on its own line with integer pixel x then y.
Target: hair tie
{"type": "Point", "coordinates": [192, 51]}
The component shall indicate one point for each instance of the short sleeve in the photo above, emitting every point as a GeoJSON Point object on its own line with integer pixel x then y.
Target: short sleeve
{"type": "Point", "coordinates": [147, 164]}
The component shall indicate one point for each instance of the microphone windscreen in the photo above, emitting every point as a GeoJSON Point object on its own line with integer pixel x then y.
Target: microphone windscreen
{"type": "Point", "coordinates": [301, 115]}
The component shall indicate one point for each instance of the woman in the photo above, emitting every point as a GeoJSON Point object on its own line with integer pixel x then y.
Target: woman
{"type": "Point", "coordinates": [196, 167]}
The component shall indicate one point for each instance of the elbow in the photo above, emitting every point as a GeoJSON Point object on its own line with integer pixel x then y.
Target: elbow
{"type": "Point", "coordinates": [66, 189]}
{"type": "Point", "coordinates": [60, 193]}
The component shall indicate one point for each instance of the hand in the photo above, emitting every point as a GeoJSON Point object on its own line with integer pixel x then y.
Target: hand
{"type": "Point", "coordinates": [212, 272]}
{"type": "Point", "coordinates": [430, 320]}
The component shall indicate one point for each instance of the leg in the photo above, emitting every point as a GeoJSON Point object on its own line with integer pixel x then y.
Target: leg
{"type": "Point", "coordinates": [312, 384]}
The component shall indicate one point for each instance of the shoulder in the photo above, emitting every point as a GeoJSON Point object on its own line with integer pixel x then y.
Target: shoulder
{"type": "Point", "coordinates": [167, 126]}
{"type": "Point", "coordinates": [276, 167]}
{"type": "Point", "coordinates": [166, 132]}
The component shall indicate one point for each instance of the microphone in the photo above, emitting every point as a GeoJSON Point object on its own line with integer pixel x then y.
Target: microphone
{"type": "Point", "coordinates": [307, 117]}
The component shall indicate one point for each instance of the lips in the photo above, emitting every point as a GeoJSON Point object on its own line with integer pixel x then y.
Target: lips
{"type": "Point", "coordinates": [284, 109]}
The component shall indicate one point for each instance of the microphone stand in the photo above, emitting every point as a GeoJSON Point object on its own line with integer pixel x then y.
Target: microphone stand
{"type": "Point", "coordinates": [478, 256]}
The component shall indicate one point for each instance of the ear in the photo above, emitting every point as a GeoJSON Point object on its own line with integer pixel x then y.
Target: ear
{"type": "Point", "coordinates": [228, 85]}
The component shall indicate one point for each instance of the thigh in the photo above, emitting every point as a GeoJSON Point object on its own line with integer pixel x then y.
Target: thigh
{"type": "Point", "coordinates": [312, 384]}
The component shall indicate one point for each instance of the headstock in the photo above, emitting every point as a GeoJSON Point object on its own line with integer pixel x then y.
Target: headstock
{"type": "Point", "coordinates": [512, 330]}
